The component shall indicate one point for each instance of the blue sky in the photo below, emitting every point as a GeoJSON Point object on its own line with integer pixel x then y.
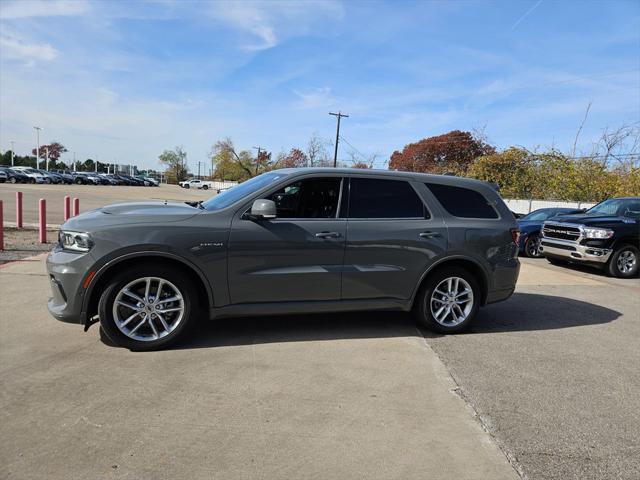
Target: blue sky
{"type": "Point", "coordinates": [122, 81]}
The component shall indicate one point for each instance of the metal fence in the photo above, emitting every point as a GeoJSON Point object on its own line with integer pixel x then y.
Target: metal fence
{"type": "Point", "coordinates": [526, 206]}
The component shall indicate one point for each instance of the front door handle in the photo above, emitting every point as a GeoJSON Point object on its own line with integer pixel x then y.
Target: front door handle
{"type": "Point", "coordinates": [327, 235]}
{"type": "Point", "coordinates": [429, 234]}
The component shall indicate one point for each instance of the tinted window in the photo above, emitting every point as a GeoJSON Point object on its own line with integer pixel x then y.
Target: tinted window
{"type": "Point", "coordinates": [310, 198]}
{"type": "Point", "coordinates": [372, 198]}
{"type": "Point", "coordinates": [462, 202]}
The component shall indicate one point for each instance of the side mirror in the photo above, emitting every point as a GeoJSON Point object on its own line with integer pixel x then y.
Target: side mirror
{"type": "Point", "coordinates": [263, 209]}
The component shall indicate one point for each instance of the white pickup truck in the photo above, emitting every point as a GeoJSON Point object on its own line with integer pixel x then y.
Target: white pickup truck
{"type": "Point", "coordinates": [203, 184]}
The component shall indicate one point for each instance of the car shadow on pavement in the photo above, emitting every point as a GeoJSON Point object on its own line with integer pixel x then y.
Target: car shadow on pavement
{"type": "Point", "coordinates": [523, 312]}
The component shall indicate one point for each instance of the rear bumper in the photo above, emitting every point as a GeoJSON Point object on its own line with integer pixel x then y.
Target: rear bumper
{"type": "Point", "coordinates": [574, 251]}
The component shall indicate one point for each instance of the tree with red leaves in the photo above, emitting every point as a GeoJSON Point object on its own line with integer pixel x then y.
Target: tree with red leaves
{"type": "Point", "coordinates": [55, 150]}
{"type": "Point", "coordinates": [296, 158]}
{"type": "Point", "coordinates": [452, 152]}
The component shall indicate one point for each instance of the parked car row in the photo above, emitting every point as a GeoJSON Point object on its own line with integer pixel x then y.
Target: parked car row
{"type": "Point", "coordinates": [68, 177]}
{"type": "Point", "coordinates": [607, 236]}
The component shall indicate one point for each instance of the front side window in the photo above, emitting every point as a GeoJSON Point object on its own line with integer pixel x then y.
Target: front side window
{"type": "Point", "coordinates": [376, 198]}
{"type": "Point", "coordinates": [462, 202]}
{"type": "Point", "coordinates": [309, 198]}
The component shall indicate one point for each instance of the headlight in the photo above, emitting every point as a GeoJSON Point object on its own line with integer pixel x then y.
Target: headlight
{"type": "Point", "coordinates": [597, 233]}
{"type": "Point", "coordinates": [75, 241]}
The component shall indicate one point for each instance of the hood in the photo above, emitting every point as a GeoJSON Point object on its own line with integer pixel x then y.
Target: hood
{"type": "Point", "coordinates": [594, 220]}
{"type": "Point", "coordinates": [527, 226]}
{"type": "Point", "coordinates": [132, 213]}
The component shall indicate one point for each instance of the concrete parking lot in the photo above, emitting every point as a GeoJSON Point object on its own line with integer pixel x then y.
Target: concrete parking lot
{"type": "Point", "coordinates": [91, 196]}
{"type": "Point", "coordinates": [548, 381]}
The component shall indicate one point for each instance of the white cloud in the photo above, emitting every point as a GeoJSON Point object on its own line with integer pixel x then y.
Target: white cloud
{"type": "Point", "coordinates": [315, 98]}
{"type": "Point", "coordinates": [271, 22]}
{"type": "Point", "coordinates": [14, 47]}
{"type": "Point", "coordinates": [41, 8]}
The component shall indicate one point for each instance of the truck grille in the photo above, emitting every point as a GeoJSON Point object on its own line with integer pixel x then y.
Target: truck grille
{"type": "Point", "coordinates": [562, 232]}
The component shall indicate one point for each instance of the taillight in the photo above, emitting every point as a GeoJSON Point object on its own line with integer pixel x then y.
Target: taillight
{"type": "Point", "coordinates": [515, 235]}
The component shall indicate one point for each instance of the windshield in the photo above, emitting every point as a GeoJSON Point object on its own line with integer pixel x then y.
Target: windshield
{"type": "Point", "coordinates": [539, 215]}
{"type": "Point", "coordinates": [629, 207]}
{"type": "Point", "coordinates": [229, 197]}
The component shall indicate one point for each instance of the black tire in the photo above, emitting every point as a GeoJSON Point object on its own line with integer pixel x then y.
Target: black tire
{"type": "Point", "coordinates": [424, 300]}
{"type": "Point", "coordinates": [624, 262]}
{"type": "Point", "coordinates": [557, 261]}
{"type": "Point", "coordinates": [176, 277]}
{"type": "Point", "coordinates": [32, 180]}
{"type": "Point", "coordinates": [13, 180]}
{"type": "Point", "coordinates": [532, 247]}
{"type": "Point", "coordinates": [78, 181]}
{"type": "Point", "coordinates": [187, 186]}
{"type": "Point", "coordinates": [47, 181]}
{"type": "Point", "coordinates": [205, 187]}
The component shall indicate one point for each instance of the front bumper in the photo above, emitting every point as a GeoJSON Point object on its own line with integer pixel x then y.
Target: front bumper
{"type": "Point", "coordinates": [574, 251]}
{"type": "Point", "coordinates": [67, 271]}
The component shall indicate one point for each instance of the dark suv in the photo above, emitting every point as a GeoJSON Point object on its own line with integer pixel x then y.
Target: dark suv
{"type": "Point", "coordinates": [288, 241]}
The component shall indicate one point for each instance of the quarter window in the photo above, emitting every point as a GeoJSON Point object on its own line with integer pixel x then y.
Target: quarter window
{"type": "Point", "coordinates": [310, 198]}
{"type": "Point", "coordinates": [462, 202]}
{"type": "Point", "coordinates": [374, 198]}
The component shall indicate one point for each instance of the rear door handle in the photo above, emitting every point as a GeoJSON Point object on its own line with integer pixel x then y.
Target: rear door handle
{"type": "Point", "coordinates": [327, 235]}
{"type": "Point", "coordinates": [428, 234]}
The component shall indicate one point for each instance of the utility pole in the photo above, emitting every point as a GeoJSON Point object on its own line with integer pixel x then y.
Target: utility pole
{"type": "Point", "coordinates": [12, 142]}
{"type": "Point", "coordinates": [199, 162]}
{"type": "Point", "coordinates": [258, 158]}
{"type": "Point", "coordinates": [47, 157]}
{"type": "Point", "coordinates": [96, 164]}
{"type": "Point", "coordinates": [37, 145]}
{"type": "Point", "coordinates": [74, 162]}
{"type": "Point", "coordinates": [339, 115]}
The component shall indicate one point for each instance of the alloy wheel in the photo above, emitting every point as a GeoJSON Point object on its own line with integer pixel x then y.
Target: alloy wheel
{"type": "Point", "coordinates": [148, 309]}
{"type": "Point", "coordinates": [626, 261]}
{"type": "Point", "coordinates": [533, 248]}
{"type": "Point", "coordinates": [451, 301]}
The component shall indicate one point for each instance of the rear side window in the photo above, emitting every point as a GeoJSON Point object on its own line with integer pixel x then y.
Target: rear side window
{"type": "Point", "coordinates": [374, 198]}
{"type": "Point", "coordinates": [462, 202]}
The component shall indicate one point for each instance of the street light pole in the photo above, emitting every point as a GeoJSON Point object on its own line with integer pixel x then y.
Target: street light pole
{"type": "Point", "coordinates": [47, 157]}
{"type": "Point", "coordinates": [37, 144]}
{"type": "Point", "coordinates": [12, 142]}
{"type": "Point", "coordinates": [335, 152]}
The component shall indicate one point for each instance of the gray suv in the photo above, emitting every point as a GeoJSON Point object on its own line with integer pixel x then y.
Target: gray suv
{"type": "Point", "coordinates": [288, 241]}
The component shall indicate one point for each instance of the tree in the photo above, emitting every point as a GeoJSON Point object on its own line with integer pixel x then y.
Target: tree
{"type": "Point", "coordinates": [296, 158]}
{"type": "Point", "coordinates": [452, 152]}
{"type": "Point", "coordinates": [243, 160]}
{"type": "Point", "coordinates": [513, 170]}
{"type": "Point", "coordinates": [317, 152]}
{"type": "Point", "coordinates": [176, 162]}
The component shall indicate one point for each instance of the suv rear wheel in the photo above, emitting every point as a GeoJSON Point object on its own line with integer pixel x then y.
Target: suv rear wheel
{"type": "Point", "coordinates": [147, 307]}
{"type": "Point", "coordinates": [448, 301]}
{"type": "Point", "coordinates": [624, 262]}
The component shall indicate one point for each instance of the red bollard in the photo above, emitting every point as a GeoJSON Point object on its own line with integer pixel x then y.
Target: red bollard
{"type": "Point", "coordinates": [76, 207]}
{"type": "Point", "coordinates": [67, 208]}
{"type": "Point", "coordinates": [1, 226]}
{"type": "Point", "coordinates": [43, 220]}
{"type": "Point", "coordinates": [19, 209]}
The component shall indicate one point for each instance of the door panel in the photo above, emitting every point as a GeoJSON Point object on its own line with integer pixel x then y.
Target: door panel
{"type": "Point", "coordinates": [295, 257]}
{"type": "Point", "coordinates": [386, 258]}
{"type": "Point", "coordinates": [387, 253]}
{"type": "Point", "coordinates": [285, 260]}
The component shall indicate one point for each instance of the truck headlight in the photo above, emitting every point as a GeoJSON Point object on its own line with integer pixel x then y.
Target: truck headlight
{"type": "Point", "coordinates": [75, 241]}
{"type": "Point", "coordinates": [598, 233]}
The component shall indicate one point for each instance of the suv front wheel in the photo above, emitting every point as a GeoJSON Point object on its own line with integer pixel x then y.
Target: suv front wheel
{"type": "Point", "coordinates": [147, 307]}
{"type": "Point", "coordinates": [448, 301]}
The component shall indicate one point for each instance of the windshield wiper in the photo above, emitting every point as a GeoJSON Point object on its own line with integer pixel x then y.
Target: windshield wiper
{"type": "Point", "coordinates": [197, 204]}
